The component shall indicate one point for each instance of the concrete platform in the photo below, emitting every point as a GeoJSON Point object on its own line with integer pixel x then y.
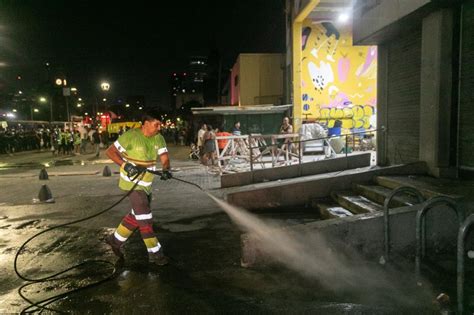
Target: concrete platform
{"type": "Point", "coordinates": [305, 169]}
{"type": "Point", "coordinates": [298, 191]}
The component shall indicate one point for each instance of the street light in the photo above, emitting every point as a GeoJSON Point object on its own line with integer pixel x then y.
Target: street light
{"type": "Point", "coordinates": [43, 99]}
{"type": "Point", "coordinates": [105, 86]}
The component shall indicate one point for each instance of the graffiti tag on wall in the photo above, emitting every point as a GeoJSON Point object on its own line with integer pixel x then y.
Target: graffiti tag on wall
{"type": "Point", "coordinates": [358, 116]}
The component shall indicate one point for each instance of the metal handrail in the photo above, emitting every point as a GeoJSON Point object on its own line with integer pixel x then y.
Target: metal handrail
{"type": "Point", "coordinates": [463, 229]}
{"type": "Point", "coordinates": [314, 139]}
{"type": "Point", "coordinates": [421, 225]}
{"type": "Point", "coordinates": [399, 190]}
{"type": "Point", "coordinates": [274, 137]}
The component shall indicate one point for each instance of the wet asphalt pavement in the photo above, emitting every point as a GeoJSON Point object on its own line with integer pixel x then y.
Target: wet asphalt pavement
{"type": "Point", "coordinates": [204, 275]}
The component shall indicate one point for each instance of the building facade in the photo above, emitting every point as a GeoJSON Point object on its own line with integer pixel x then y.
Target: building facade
{"type": "Point", "coordinates": [257, 79]}
{"type": "Point", "coordinates": [425, 84]}
{"type": "Point", "coordinates": [414, 75]}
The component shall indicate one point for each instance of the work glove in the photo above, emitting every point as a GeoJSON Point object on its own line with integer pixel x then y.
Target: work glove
{"type": "Point", "coordinates": [132, 170]}
{"type": "Point", "coordinates": [165, 175]}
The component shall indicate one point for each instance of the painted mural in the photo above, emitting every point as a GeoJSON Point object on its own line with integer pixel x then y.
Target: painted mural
{"type": "Point", "coordinates": [339, 81]}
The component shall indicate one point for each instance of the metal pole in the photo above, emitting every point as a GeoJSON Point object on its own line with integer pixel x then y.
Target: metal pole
{"type": "Point", "coordinates": [346, 146]}
{"type": "Point", "coordinates": [353, 142]}
{"type": "Point", "coordinates": [67, 109]}
{"type": "Point", "coordinates": [386, 221]}
{"type": "Point", "coordinates": [51, 108]}
{"type": "Point", "coordinates": [463, 230]}
{"type": "Point", "coordinates": [300, 152]}
{"type": "Point", "coordinates": [273, 151]}
{"type": "Point", "coordinates": [251, 157]}
{"type": "Point", "coordinates": [421, 228]}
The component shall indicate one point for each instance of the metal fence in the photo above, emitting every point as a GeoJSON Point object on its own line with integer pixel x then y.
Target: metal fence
{"type": "Point", "coordinates": [244, 153]}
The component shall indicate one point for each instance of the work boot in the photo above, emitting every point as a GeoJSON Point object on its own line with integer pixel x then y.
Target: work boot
{"type": "Point", "coordinates": [158, 258]}
{"type": "Point", "coordinates": [115, 245]}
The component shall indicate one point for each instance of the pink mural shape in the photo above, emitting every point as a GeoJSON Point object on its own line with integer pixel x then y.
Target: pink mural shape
{"type": "Point", "coordinates": [371, 56]}
{"type": "Point", "coordinates": [373, 102]}
{"type": "Point", "coordinates": [340, 100]}
{"type": "Point", "coordinates": [343, 67]}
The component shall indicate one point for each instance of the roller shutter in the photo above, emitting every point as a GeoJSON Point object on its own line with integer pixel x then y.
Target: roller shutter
{"type": "Point", "coordinates": [466, 107]}
{"type": "Point", "coordinates": [403, 97]}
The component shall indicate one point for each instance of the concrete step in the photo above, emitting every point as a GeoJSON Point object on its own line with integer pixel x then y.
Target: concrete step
{"type": "Point", "coordinates": [330, 210]}
{"type": "Point", "coordinates": [355, 203]}
{"type": "Point", "coordinates": [379, 193]}
{"type": "Point", "coordinates": [427, 190]}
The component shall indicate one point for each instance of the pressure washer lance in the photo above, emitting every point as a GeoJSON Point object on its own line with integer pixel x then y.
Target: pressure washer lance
{"type": "Point", "coordinates": [42, 304]}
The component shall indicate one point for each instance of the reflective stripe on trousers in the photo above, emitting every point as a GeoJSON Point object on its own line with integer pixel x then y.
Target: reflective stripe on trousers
{"type": "Point", "coordinates": [140, 217]}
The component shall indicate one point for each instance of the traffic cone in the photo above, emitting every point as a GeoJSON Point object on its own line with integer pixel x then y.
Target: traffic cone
{"type": "Point", "coordinates": [106, 172]}
{"type": "Point", "coordinates": [45, 194]}
{"type": "Point", "coordinates": [43, 174]}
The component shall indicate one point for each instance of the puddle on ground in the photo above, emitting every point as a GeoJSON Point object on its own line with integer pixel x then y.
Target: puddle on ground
{"type": "Point", "coordinates": [36, 165]}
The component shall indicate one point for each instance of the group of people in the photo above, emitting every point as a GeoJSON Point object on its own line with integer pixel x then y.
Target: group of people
{"type": "Point", "coordinates": [206, 137]}
{"type": "Point", "coordinates": [206, 142]}
{"type": "Point", "coordinates": [60, 141]}
{"type": "Point", "coordinates": [68, 142]}
{"type": "Point", "coordinates": [17, 139]}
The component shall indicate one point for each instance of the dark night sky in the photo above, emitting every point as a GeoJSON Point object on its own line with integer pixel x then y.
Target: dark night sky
{"type": "Point", "coordinates": [133, 45]}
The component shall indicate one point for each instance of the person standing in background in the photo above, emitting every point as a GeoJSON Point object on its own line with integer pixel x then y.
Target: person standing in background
{"type": "Point", "coordinates": [200, 139]}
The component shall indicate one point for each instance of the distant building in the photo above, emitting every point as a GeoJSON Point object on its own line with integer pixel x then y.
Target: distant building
{"type": "Point", "coordinates": [257, 79]}
{"type": "Point", "coordinates": [187, 86]}
{"type": "Point", "coordinates": [197, 69]}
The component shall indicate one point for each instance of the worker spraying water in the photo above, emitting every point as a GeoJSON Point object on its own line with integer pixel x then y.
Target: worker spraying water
{"type": "Point", "coordinates": [136, 151]}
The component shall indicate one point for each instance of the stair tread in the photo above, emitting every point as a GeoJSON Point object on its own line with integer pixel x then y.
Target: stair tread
{"type": "Point", "coordinates": [427, 189]}
{"type": "Point", "coordinates": [377, 193]}
{"type": "Point", "coordinates": [330, 210]}
{"type": "Point", "coordinates": [356, 203]}
{"type": "Point", "coordinates": [335, 212]}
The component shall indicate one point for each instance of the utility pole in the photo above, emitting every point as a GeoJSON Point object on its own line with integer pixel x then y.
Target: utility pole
{"type": "Point", "coordinates": [67, 93]}
{"type": "Point", "coordinates": [219, 71]}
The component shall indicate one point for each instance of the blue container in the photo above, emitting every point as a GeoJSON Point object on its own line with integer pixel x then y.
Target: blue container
{"type": "Point", "coordinates": [336, 131]}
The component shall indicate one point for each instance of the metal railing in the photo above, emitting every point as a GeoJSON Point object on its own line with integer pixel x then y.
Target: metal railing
{"type": "Point", "coordinates": [400, 190]}
{"type": "Point", "coordinates": [463, 230]}
{"type": "Point", "coordinates": [262, 149]}
{"type": "Point", "coordinates": [421, 225]}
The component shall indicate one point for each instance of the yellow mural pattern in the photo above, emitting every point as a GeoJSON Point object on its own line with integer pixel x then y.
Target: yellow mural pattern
{"type": "Point", "coordinates": [339, 81]}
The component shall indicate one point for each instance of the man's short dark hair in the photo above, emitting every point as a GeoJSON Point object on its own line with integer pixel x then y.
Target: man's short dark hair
{"type": "Point", "coordinates": [150, 115]}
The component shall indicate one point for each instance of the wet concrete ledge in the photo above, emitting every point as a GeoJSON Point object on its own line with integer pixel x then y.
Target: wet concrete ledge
{"type": "Point", "coordinates": [364, 233]}
{"type": "Point", "coordinates": [301, 190]}
{"type": "Point", "coordinates": [304, 169]}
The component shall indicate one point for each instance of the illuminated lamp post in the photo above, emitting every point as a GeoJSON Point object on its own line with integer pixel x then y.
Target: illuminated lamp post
{"type": "Point", "coordinates": [66, 93]}
{"type": "Point", "coordinates": [105, 87]}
